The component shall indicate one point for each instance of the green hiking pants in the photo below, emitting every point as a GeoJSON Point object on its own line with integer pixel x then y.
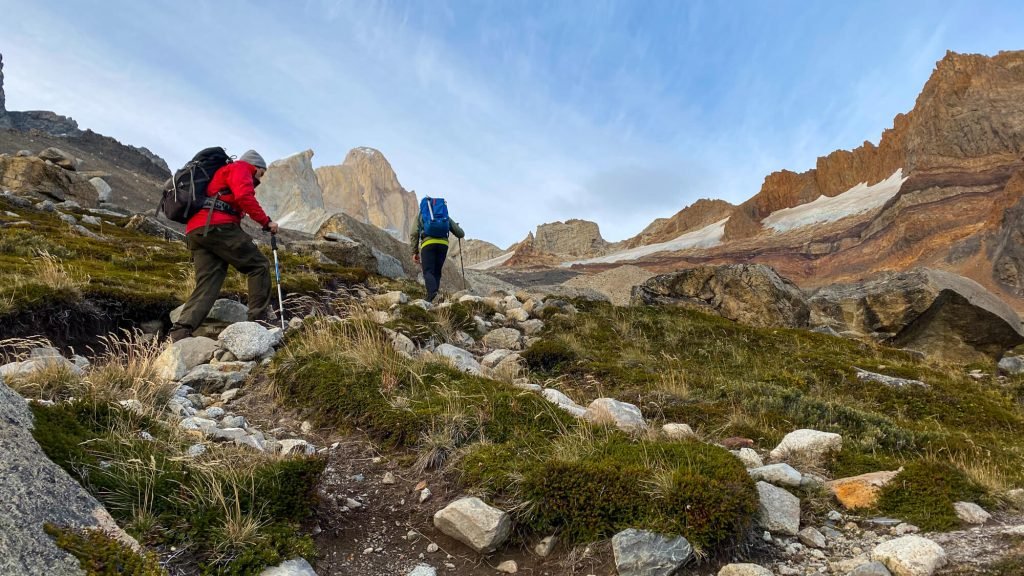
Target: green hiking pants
{"type": "Point", "coordinates": [211, 254]}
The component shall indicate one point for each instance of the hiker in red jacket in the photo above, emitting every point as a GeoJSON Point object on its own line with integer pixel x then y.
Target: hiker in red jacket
{"type": "Point", "coordinates": [215, 237]}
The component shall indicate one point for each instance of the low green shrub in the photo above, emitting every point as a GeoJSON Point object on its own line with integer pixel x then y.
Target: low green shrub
{"type": "Point", "coordinates": [100, 555]}
{"type": "Point", "coordinates": [547, 355]}
{"type": "Point", "coordinates": [924, 492]}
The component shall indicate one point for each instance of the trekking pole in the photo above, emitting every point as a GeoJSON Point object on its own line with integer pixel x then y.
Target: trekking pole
{"type": "Point", "coordinates": [277, 272]}
{"type": "Point", "coordinates": [462, 262]}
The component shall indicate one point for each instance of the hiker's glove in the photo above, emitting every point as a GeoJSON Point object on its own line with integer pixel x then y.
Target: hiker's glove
{"type": "Point", "coordinates": [271, 227]}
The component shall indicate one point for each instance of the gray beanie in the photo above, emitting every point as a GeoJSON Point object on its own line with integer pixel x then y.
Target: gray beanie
{"type": "Point", "coordinates": [253, 157]}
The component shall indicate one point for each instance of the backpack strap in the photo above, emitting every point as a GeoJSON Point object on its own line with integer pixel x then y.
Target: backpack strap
{"type": "Point", "coordinates": [215, 203]}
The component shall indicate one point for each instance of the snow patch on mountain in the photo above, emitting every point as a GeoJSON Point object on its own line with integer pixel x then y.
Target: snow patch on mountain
{"type": "Point", "coordinates": [860, 198]}
{"type": "Point", "coordinates": [706, 237]}
{"type": "Point", "coordinates": [493, 262]}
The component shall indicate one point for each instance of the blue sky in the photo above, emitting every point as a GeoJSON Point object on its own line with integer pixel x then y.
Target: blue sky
{"type": "Point", "coordinates": [518, 111]}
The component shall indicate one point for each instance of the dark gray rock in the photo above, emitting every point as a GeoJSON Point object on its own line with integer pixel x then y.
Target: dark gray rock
{"type": "Point", "coordinates": [752, 294]}
{"type": "Point", "coordinates": [643, 553]}
{"type": "Point", "coordinates": [35, 491]}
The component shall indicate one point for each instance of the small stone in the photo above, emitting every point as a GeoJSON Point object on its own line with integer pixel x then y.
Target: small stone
{"type": "Point", "coordinates": [213, 412]}
{"type": "Point", "coordinates": [546, 546]}
{"type": "Point", "coordinates": [744, 570]}
{"type": "Point", "coordinates": [424, 495]}
{"type": "Point", "coordinates": [389, 478]}
{"type": "Point", "coordinates": [233, 422]}
{"type": "Point", "coordinates": [229, 395]}
{"type": "Point", "coordinates": [296, 446]}
{"type": "Point", "coordinates": [903, 529]}
{"type": "Point", "coordinates": [508, 566]}
{"type": "Point", "coordinates": [195, 450]}
{"type": "Point", "coordinates": [623, 415]}
{"type": "Point", "coordinates": [749, 458]}
{"type": "Point", "coordinates": [353, 504]}
{"type": "Point", "coordinates": [423, 570]}
{"type": "Point", "coordinates": [368, 551]}
{"type": "Point", "coordinates": [306, 427]}
{"type": "Point", "coordinates": [675, 431]}
{"type": "Point", "coordinates": [432, 548]}
{"type": "Point", "coordinates": [777, 474]}
{"type": "Point", "coordinates": [871, 569]}
{"type": "Point", "coordinates": [810, 536]}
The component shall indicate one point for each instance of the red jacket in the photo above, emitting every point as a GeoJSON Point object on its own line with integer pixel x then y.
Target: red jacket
{"type": "Point", "coordinates": [236, 177]}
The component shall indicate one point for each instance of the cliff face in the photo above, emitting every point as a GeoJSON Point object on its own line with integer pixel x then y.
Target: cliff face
{"type": "Point", "coordinates": [366, 187]}
{"type": "Point", "coordinates": [968, 117]}
{"type": "Point", "coordinates": [290, 194]}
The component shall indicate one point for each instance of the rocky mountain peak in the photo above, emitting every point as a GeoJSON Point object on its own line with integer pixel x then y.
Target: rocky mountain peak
{"type": "Point", "coordinates": [570, 238]}
{"type": "Point", "coordinates": [3, 100]}
{"type": "Point", "coordinates": [365, 186]}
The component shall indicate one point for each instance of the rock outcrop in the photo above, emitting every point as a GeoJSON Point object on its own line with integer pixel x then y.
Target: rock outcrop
{"type": "Point", "coordinates": [34, 492]}
{"type": "Point", "coordinates": [392, 256]}
{"type": "Point", "coordinates": [752, 294]}
{"type": "Point", "coordinates": [932, 311]}
{"type": "Point", "coordinates": [474, 251]}
{"type": "Point", "coordinates": [366, 187]}
{"type": "Point", "coordinates": [289, 192]}
{"type": "Point", "coordinates": [35, 176]}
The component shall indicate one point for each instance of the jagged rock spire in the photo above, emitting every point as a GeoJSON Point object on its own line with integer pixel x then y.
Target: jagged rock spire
{"type": "Point", "coordinates": [2, 101]}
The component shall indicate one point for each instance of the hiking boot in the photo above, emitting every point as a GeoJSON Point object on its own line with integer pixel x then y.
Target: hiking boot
{"type": "Point", "coordinates": [179, 334]}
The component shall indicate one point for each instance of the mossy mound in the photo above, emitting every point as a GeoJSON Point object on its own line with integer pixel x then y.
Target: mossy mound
{"type": "Point", "coordinates": [924, 492]}
{"type": "Point", "coordinates": [162, 498]}
{"type": "Point", "coordinates": [546, 355]}
{"type": "Point", "coordinates": [609, 482]}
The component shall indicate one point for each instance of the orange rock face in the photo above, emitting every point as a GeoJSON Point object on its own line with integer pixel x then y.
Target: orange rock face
{"type": "Point", "coordinates": [693, 217]}
{"type": "Point", "coordinates": [860, 491]}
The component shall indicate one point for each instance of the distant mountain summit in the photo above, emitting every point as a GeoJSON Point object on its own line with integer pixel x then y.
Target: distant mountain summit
{"type": "Point", "coordinates": [366, 187]}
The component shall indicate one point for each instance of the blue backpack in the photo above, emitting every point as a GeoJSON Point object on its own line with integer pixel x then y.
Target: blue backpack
{"type": "Point", "coordinates": [434, 216]}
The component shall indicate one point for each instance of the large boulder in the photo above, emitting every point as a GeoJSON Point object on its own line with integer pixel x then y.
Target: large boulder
{"type": "Point", "coordinates": [247, 340]}
{"type": "Point", "coordinates": [609, 411]}
{"type": "Point", "coordinates": [385, 248]}
{"type": "Point", "coordinates": [744, 570]}
{"type": "Point", "coordinates": [752, 294]}
{"type": "Point", "coordinates": [34, 492]}
{"type": "Point", "coordinates": [861, 491]}
{"type": "Point", "coordinates": [933, 311]}
{"type": "Point", "coordinates": [472, 522]}
{"type": "Point", "coordinates": [294, 567]}
{"type": "Point", "coordinates": [182, 356]}
{"type": "Point", "coordinates": [462, 359]}
{"type": "Point", "coordinates": [30, 175]}
{"type": "Point", "coordinates": [778, 510]}
{"type": "Point", "coordinates": [643, 553]}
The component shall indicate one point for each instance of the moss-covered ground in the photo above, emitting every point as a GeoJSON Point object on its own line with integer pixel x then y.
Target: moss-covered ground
{"type": "Point", "coordinates": [958, 438]}
{"type": "Point", "coordinates": [48, 268]}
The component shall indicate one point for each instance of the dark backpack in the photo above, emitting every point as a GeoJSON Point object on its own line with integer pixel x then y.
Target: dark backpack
{"type": "Point", "coordinates": [434, 216]}
{"type": "Point", "coordinates": [186, 193]}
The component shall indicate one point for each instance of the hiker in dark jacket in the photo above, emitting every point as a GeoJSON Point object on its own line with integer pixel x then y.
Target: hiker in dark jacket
{"type": "Point", "coordinates": [430, 252]}
{"type": "Point", "coordinates": [216, 240]}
